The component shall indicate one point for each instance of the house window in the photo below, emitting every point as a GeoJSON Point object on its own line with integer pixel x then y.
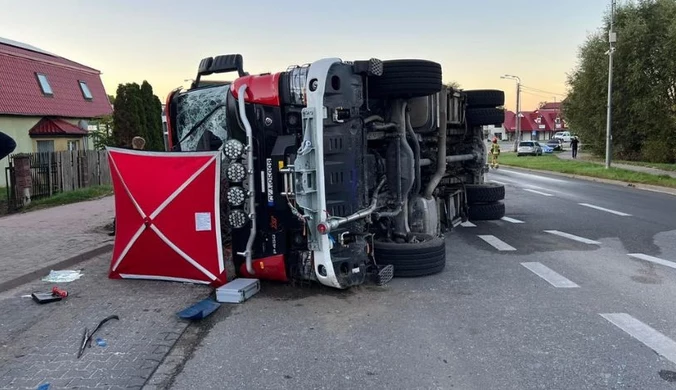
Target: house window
{"type": "Point", "coordinates": [72, 145]}
{"type": "Point", "coordinates": [45, 146]}
{"type": "Point", "coordinates": [85, 90]}
{"type": "Point", "coordinates": [44, 84]}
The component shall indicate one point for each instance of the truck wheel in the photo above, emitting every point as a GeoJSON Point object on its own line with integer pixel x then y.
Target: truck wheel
{"type": "Point", "coordinates": [485, 116]}
{"type": "Point", "coordinates": [485, 98]}
{"type": "Point", "coordinates": [422, 258]}
{"type": "Point", "coordinates": [484, 193]}
{"type": "Point", "coordinates": [486, 211]}
{"type": "Point", "coordinates": [406, 79]}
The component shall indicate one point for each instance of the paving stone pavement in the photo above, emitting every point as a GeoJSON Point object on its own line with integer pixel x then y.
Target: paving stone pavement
{"type": "Point", "coordinates": [32, 240]}
{"type": "Point", "coordinates": [39, 343]}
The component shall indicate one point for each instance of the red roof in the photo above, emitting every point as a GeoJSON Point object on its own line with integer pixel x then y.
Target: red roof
{"type": "Point", "coordinates": [551, 106]}
{"type": "Point", "coordinates": [21, 93]}
{"type": "Point", "coordinates": [54, 126]}
{"type": "Point", "coordinates": [529, 121]}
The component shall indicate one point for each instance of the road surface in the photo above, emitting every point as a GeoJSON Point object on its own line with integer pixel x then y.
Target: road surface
{"type": "Point", "coordinates": [574, 289]}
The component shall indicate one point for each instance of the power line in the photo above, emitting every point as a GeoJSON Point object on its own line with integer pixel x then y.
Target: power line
{"type": "Point", "coordinates": [543, 91]}
{"type": "Point", "coordinates": [536, 94]}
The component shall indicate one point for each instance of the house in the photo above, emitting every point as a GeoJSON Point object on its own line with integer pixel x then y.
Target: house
{"type": "Point", "coordinates": [539, 125]}
{"type": "Point", "coordinates": [47, 101]}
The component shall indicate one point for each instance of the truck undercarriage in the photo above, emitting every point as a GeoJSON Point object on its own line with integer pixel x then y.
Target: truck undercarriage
{"type": "Point", "coordinates": [341, 172]}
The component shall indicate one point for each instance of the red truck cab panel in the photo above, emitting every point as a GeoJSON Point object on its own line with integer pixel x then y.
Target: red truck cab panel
{"type": "Point", "coordinates": [262, 89]}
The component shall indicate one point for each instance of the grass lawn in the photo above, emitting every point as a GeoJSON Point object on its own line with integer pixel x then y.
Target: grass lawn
{"type": "Point", "coordinates": [662, 166]}
{"type": "Point", "coordinates": [80, 195]}
{"type": "Point", "coordinates": [582, 168]}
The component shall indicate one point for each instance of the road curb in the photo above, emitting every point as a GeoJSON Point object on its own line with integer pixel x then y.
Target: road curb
{"type": "Point", "coordinates": [23, 279]}
{"type": "Point", "coordinates": [645, 187]}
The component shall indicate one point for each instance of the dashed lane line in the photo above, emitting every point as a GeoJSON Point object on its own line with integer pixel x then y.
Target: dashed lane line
{"type": "Point", "coordinates": [572, 237]}
{"type": "Point", "coordinates": [468, 224]}
{"type": "Point", "coordinates": [650, 337]}
{"type": "Point", "coordinates": [538, 192]}
{"type": "Point", "coordinates": [605, 209]}
{"type": "Point", "coordinates": [498, 182]}
{"type": "Point", "coordinates": [653, 259]}
{"type": "Point", "coordinates": [497, 243]}
{"type": "Point", "coordinates": [511, 220]}
{"type": "Point", "coordinates": [549, 275]}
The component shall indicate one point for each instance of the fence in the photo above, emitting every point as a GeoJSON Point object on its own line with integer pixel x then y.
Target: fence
{"type": "Point", "coordinates": [57, 172]}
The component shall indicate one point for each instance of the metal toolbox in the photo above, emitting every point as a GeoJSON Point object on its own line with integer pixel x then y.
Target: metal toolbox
{"type": "Point", "coordinates": [238, 290]}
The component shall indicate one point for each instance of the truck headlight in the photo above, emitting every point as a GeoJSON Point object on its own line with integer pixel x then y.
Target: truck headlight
{"type": "Point", "coordinates": [237, 219]}
{"type": "Point", "coordinates": [236, 172]}
{"type": "Point", "coordinates": [233, 149]}
{"type": "Point", "coordinates": [236, 196]}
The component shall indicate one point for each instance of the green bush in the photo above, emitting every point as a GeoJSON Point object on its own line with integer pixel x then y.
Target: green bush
{"type": "Point", "coordinates": [658, 151]}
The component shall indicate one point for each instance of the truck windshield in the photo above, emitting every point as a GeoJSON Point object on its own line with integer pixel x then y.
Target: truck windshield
{"type": "Point", "coordinates": [200, 112]}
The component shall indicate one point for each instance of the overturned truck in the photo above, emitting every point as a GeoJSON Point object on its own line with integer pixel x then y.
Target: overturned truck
{"type": "Point", "coordinates": [340, 172]}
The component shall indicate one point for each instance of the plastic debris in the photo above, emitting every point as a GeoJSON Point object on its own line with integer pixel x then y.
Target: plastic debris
{"type": "Point", "coordinates": [63, 276]}
{"type": "Point", "coordinates": [44, 386]}
{"type": "Point", "coordinates": [101, 342]}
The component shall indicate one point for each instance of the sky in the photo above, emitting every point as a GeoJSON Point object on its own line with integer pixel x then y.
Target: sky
{"type": "Point", "coordinates": [162, 42]}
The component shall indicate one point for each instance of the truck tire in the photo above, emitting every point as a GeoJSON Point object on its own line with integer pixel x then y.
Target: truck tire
{"type": "Point", "coordinates": [486, 211]}
{"type": "Point", "coordinates": [484, 193]}
{"type": "Point", "coordinates": [485, 116]}
{"type": "Point", "coordinates": [413, 259]}
{"type": "Point", "coordinates": [406, 79]}
{"type": "Point", "coordinates": [485, 98]}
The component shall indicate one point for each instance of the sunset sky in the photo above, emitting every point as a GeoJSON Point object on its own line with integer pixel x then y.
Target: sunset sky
{"type": "Point", "coordinates": [163, 41]}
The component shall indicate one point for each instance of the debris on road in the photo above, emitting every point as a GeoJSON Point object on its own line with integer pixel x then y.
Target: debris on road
{"type": "Point", "coordinates": [238, 290]}
{"type": "Point", "coordinates": [63, 276]}
{"type": "Point", "coordinates": [199, 310]}
{"type": "Point", "coordinates": [87, 337]}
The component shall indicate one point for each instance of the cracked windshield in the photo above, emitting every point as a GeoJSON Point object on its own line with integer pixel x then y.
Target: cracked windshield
{"type": "Point", "coordinates": [459, 195]}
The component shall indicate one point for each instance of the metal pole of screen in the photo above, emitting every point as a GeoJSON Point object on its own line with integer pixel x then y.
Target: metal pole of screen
{"type": "Point", "coordinates": [612, 38]}
{"type": "Point", "coordinates": [518, 108]}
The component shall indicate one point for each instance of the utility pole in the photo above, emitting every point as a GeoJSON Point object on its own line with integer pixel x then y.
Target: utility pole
{"type": "Point", "coordinates": [612, 38]}
{"type": "Point", "coordinates": [518, 108]}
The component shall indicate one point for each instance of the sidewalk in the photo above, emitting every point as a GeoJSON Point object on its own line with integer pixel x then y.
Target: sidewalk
{"type": "Point", "coordinates": [37, 239]}
{"type": "Point", "coordinates": [39, 343]}
{"type": "Point", "coordinates": [567, 155]}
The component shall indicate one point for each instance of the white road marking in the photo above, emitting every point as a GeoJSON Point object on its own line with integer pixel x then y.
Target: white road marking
{"type": "Point", "coordinates": [537, 192]}
{"type": "Point", "coordinates": [653, 339]}
{"type": "Point", "coordinates": [604, 209]}
{"type": "Point", "coordinates": [467, 224]}
{"type": "Point", "coordinates": [498, 182]}
{"type": "Point", "coordinates": [537, 177]}
{"type": "Point", "coordinates": [497, 243]}
{"type": "Point", "coordinates": [549, 275]}
{"type": "Point", "coordinates": [511, 220]}
{"type": "Point", "coordinates": [653, 259]}
{"type": "Point", "coordinates": [572, 237]}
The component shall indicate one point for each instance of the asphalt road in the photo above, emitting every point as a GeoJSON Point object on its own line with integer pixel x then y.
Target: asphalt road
{"type": "Point", "coordinates": [525, 307]}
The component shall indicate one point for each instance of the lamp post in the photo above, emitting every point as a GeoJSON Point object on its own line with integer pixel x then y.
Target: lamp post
{"type": "Point", "coordinates": [518, 107]}
{"type": "Point", "coordinates": [612, 38]}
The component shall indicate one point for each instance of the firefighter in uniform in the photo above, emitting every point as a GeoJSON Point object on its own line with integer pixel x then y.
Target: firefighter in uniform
{"type": "Point", "coordinates": [495, 152]}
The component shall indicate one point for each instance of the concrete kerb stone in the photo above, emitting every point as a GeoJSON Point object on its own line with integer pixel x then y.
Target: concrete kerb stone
{"type": "Point", "coordinates": [645, 187]}
{"type": "Point", "coordinates": [69, 262]}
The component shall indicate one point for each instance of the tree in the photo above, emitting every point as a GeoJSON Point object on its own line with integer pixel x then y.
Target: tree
{"type": "Point", "coordinates": [453, 84]}
{"type": "Point", "coordinates": [137, 112]}
{"type": "Point", "coordinates": [644, 84]}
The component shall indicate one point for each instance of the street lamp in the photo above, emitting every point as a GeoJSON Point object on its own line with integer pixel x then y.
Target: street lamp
{"type": "Point", "coordinates": [612, 38]}
{"type": "Point", "coordinates": [518, 107]}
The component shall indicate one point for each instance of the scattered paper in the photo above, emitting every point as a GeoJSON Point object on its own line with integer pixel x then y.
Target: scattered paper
{"type": "Point", "coordinates": [203, 222]}
{"type": "Point", "coordinates": [63, 276]}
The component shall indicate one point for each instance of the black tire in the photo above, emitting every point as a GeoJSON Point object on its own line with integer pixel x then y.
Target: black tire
{"type": "Point", "coordinates": [403, 79]}
{"type": "Point", "coordinates": [413, 259]}
{"type": "Point", "coordinates": [486, 211]}
{"type": "Point", "coordinates": [484, 193]}
{"type": "Point", "coordinates": [485, 98]}
{"type": "Point", "coordinates": [485, 116]}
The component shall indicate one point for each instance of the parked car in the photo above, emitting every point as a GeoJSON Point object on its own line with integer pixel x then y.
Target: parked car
{"type": "Point", "coordinates": [563, 135]}
{"type": "Point", "coordinates": [556, 144]}
{"type": "Point", "coordinates": [529, 148]}
{"type": "Point", "coordinates": [547, 149]}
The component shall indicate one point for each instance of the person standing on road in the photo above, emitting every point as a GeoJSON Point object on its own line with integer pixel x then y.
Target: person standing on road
{"type": "Point", "coordinates": [495, 152]}
{"type": "Point", "coordinates": [7, 145]}
{"type": "Point", "coordinates": [137, 143]}
{"type": "Point", "coordinates": [573, 146]}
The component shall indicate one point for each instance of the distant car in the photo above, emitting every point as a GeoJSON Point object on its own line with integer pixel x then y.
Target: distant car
{"type": "Point", "coordinates": [529, 148]}
{"type": "Point", "coordinates": [556, 144]}
{"type": "Point", "coordinates": [563, 135]}
{"type": "Point", "coordinates": [547, 149]}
